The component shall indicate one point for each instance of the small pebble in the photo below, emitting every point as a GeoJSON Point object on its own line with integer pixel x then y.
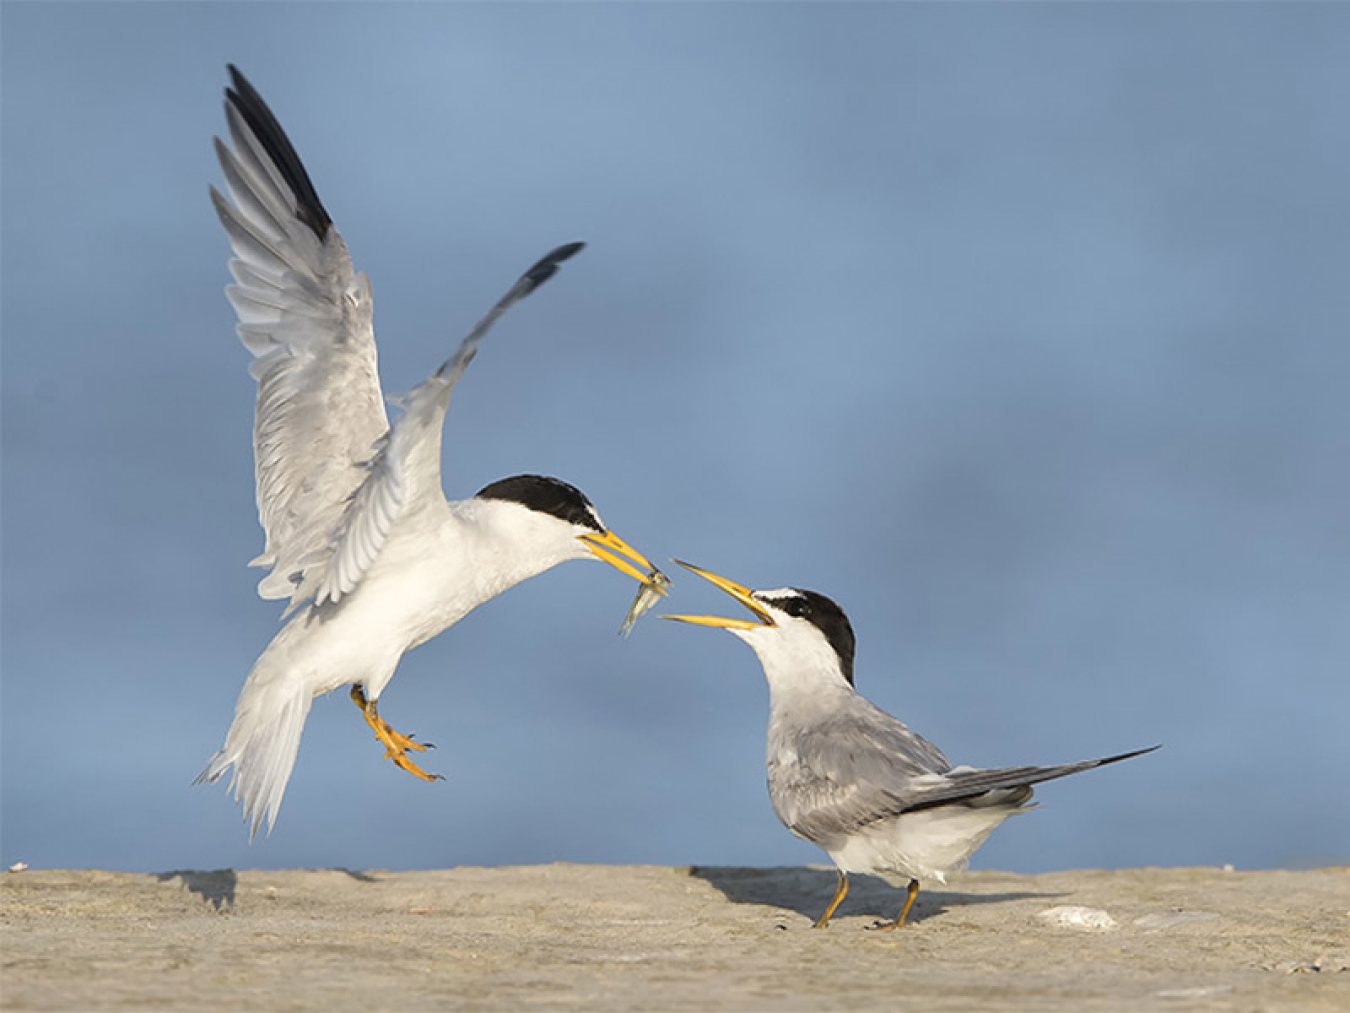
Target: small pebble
{"type": "Point", "coordinates": [1071, 916]}
{"type": "Point", "coordinates": [1301, 967]}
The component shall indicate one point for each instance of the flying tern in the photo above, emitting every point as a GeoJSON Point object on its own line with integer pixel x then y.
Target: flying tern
{"type": "Point", "coordinates": [359, 535]}
{"type": "Point", "coordinates": [848, 777]}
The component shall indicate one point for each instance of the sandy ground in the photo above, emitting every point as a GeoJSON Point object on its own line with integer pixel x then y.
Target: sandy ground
{"type": "Point", "coordinates": [568, 936]}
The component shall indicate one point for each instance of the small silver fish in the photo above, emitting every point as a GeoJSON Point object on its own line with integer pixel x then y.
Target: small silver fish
{"type": "Point", "coordinates": [648, 595]}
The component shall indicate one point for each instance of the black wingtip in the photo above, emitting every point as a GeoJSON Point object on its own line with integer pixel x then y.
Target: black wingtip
{"type": "Point", "coordinates": [547, 265]}
{"type": "Point", "coordinates": [250, 105]}
{"type": "Point", "coordinates": [566, 251]}
{"type": "Point", "coordinates": [1128, 756]}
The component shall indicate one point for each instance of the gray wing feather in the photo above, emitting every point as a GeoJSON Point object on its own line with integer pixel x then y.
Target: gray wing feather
{"type": "Point", "coordinates": [406, 468]}
{"type": "Point", "coordinates": [830, 777]}
{"type": "Point", "coordinates": [333, 478]}
{"type": "Point", "coordinates": [306, 317]}
{"type": "Point", "coordinates": [966, 784]}
{"type": "Point", "coordinates": [850, 767]}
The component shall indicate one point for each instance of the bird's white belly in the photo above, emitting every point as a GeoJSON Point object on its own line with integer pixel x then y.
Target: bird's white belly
{"type": "Point", "coordinates": [924, 845]}
{"type": "Point", "coordinates": [404, 602]}
{"type": "Point", "coordinates": [406, 598]}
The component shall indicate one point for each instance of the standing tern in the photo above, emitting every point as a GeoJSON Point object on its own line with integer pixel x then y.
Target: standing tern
{"type": "Point", "coordinates": [848, 777]}
{"type": "Point", "coordinates": [359, 536]}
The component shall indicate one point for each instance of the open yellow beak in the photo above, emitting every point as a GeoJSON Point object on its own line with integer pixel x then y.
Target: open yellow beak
{"type": "Point", "coordinates": [741, 593]}
{"type": "Point", "coordinates": [613, 550]}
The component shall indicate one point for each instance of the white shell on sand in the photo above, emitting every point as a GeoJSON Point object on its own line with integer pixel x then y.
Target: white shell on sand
{"type": "Point", "coordinates": [1071, 916]}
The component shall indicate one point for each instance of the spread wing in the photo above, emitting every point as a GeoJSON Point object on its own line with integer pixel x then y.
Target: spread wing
{"type": "Point", "coordinates": [333, 477]}
{"type": "Point", "coordinates": [405, 472]}
{"type": "Point", "coordinates": [306, 316]}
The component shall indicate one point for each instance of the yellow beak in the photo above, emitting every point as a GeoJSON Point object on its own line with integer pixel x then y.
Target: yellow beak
{"type": "Point", "coordinates": [613, 550]}
{"type": "Point", "coordinates": [738, 591]}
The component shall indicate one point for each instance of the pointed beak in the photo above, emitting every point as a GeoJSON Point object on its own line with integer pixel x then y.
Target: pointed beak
{"type": "Point", "coordinates": [741, 593]}
{"type": "Point", "coordinates": [613, 550]}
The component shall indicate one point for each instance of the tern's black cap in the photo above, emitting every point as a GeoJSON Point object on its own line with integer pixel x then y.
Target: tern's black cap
{"type": "Point", "coordinates": [824, 615]}
{"type": "Point", "coordinates": [550, 496]}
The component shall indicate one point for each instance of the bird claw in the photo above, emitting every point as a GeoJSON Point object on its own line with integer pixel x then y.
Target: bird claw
{"type": "Point", "coordinates": [396, 744]}
{"type": "Point", "coordinates": [401, 760]}
{"type": "Point", "coordinates": [401, 743]}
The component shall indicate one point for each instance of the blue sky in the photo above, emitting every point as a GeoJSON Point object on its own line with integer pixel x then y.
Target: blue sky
{"type": "Point", "coordinates": [1018, 330]}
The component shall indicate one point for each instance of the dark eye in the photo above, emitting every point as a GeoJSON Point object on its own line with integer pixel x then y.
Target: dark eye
{"type": "Point", "coordinates": [795, 607]}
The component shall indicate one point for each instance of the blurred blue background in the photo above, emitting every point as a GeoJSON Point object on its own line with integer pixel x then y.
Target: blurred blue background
{"type": "Point", "coordinates": [1018, 330]}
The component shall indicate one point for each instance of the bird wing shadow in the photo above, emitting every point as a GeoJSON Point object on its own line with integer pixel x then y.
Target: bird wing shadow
{"type": "Point", "coordinates": [356, 874]}
{"type": "Point", "coordinates": [216, 887]}
{"type": "Point", "coordinates": [808, 892]}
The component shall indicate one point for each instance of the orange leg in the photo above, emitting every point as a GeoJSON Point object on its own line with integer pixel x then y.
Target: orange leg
{"type": "Point", "coordinates": [899, 923]}
{"type": "Point", "coordinates": [839, 894]}
{"type": "Point", "coordinates": [395, 743]}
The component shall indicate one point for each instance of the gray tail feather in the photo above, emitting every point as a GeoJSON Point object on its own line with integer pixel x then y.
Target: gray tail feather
{"type": "Point", "coordinates": [967, 785]}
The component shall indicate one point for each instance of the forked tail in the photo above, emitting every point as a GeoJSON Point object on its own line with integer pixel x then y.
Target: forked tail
{"type": "Point", "coordinates": [262, 744]}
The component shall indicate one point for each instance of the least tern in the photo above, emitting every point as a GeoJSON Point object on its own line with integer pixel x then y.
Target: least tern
{"type": "Point", "coordinates": [848, 777]}
{"type": "Point", "coordinates": [359, 536]}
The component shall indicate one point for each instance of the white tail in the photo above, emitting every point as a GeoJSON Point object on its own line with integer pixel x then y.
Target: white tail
{"type": "Point", "coordinates": [262, 743]}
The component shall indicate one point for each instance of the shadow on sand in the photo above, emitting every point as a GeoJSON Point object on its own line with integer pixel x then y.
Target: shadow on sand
{"type": "Point", "coordinates": [356, 874]}
{"type": "Point", "coordinates": [218, 887]}
{"type": "Point", "coordinates": [809, 891]}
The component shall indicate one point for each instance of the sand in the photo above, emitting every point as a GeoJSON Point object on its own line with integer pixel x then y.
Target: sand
{"type": "Point", "coordinates": [610, 937]}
